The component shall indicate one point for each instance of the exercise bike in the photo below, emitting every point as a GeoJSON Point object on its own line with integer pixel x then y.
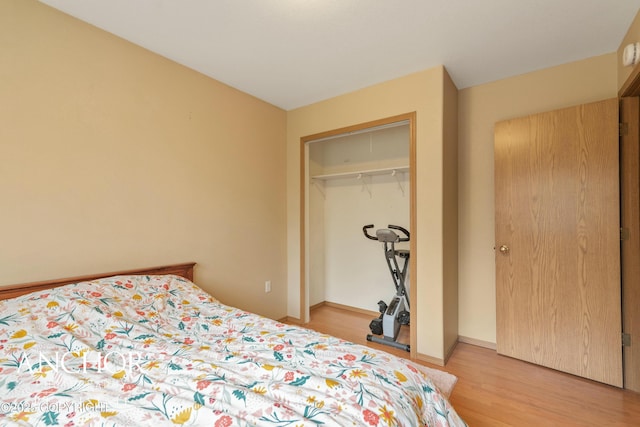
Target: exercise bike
{"type": "Point", "coordinates": [395, 314]}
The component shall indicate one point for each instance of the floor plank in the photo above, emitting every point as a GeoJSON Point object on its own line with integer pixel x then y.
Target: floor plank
{"type": "Point", "coordinates": [494, 390]}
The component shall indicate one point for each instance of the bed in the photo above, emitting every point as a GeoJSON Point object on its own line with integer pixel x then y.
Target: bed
{"type": "Point", "coordinates": [148, 347]}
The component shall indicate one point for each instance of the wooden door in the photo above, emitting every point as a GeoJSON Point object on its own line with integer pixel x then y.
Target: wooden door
{"type": "Point", "coordinates": [558, 240]}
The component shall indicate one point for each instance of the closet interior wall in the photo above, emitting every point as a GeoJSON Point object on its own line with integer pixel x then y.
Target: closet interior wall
{"type": "Point", "coordinates": [355, 180]}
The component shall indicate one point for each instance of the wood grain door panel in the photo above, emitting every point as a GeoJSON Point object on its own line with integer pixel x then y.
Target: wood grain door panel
{"type": "Point", "coordinates": [557, 211]}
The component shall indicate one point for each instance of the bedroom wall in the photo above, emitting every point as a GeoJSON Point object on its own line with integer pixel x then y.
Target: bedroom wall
{"type": "Point", "coordinates": [450, 215]}
{"type": "Point", "coordinates": [632, 36]}
{"type": "Point", "coordinates": [423, 93]}
{"type": "Point", "coordinates": [112, 157]}
{"type": "Point", "coordinates": [479, 108]}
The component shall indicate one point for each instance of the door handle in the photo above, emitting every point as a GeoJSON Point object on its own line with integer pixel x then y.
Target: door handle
{"type": "Point", "coordinates": [504, 250]}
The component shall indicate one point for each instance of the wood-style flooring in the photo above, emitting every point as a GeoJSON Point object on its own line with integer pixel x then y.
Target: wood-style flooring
{"type": "Point", "coordinates": [494, 390]}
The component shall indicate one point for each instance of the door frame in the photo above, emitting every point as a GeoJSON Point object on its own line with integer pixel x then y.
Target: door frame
{"type": "Point", "coordinates": [304, 183]}
{"type": "Point", "coordinates": [629, 97]}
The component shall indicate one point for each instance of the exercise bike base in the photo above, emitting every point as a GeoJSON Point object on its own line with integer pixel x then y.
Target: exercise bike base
{"type": "Point", "coordinates": [373, 338]}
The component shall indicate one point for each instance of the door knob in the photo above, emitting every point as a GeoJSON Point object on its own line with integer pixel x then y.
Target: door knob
{"type": "Point", "coordinates": [504, 249]}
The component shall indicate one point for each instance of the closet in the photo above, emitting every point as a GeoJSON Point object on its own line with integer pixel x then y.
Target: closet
{"type": "Point", "coordinates": [353, 179]}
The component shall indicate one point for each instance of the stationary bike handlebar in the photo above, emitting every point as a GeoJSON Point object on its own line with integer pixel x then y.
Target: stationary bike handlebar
{"type": "Point", "coordinates": [394, 227]}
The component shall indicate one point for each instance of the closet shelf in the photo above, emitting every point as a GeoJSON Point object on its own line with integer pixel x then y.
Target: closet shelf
{"type": "Point", "coordinates": [359, 174]}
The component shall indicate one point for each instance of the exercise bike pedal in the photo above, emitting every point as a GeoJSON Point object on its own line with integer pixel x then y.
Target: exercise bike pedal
{"type": "Point", "coordinates": [382, 306]}
{"type": "Point", "coordinates": [403, 317]}
{"type": "Point", "coordinates": [376, 326]}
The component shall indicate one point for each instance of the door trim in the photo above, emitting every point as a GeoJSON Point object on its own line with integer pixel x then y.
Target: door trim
{"type": "Point", "coordinates": [629, 95]}
{"type": "Point", "coordinates": [630, 245]}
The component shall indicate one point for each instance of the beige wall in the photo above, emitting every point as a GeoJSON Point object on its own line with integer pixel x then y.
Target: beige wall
{"type": "Point", "coordinates": [420, 92]}
{"type": "Point", "coordinates": [450, 215]}
{"type": "Point", "coordinates": [632, 36]}
{"type": "Point", "coordinates": [112, 158]}
{"type": "Point", "coordinates": [479, 108]}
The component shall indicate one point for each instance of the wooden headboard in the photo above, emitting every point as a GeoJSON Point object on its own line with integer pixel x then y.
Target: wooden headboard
{"type": "Point", "coordinates": [184, 270]}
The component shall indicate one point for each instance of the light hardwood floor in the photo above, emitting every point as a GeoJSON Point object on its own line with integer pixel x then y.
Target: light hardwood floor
{"type": "Point", "coordinates": [494, 390]}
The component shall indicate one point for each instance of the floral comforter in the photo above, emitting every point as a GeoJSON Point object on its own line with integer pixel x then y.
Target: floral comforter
{"type": "Point", "coordinates": [157, 350]}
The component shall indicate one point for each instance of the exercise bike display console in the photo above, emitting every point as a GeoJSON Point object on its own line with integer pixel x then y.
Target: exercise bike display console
{"type": "Point", "coordinates": [396, 313]}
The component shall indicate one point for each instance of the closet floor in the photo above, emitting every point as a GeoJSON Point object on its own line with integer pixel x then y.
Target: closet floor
{"type": "Point", "coordinates": [352, 326]}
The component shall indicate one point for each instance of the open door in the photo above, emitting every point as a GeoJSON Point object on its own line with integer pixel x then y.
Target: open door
{"type": "Point", "coordinates": [558, 240]}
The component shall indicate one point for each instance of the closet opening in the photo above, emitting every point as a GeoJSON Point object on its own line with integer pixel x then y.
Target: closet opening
{"type": "Point", "coordinates": [353, 177]}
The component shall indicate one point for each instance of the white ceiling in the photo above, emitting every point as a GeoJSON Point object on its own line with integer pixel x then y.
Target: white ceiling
{"type": "Point", "coordinates": [292, 53]}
